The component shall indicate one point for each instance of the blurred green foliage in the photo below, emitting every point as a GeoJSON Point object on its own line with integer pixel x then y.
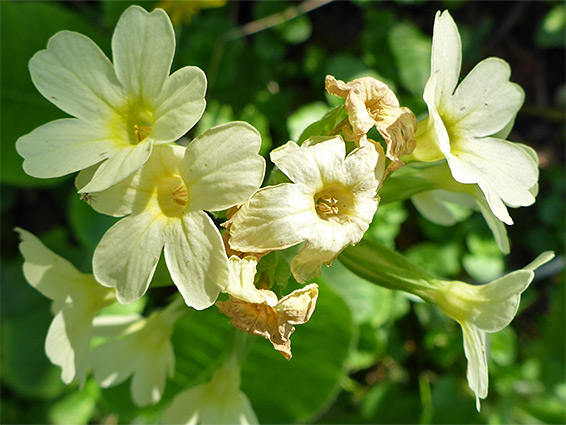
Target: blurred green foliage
{"type": "Point", "coordinates": [368, 355]}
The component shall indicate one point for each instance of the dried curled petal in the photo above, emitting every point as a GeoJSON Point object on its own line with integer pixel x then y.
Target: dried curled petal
{"type": "Point", "coordinates": [369, 103]}
{"type": "Point", "coordinates": [258, 312]}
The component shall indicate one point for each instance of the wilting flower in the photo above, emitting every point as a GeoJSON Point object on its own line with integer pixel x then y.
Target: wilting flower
{"type": "Point", "coordinates": [468, 123]}
{"type": "Point", "coordinates": [219, 401]}
{"type": "Point", "coordinates": [138, 347]}
{"type": "Point", "coordinates": [329, 205]}
{"type": "Point", "coordinates": [369, 102]}
{"type": "Point", "coordinates": [120, 110]}
{"type": "Point", "coordinates": [258, 312]}
{"type": "Point", "coordinates": [76, 296]}
{"type": "Point", "coordinates": [483, 309]}
{"type": "Point", "coordinates": [164, 201]}
{"type": "Point", "coordinates": [479, 309]}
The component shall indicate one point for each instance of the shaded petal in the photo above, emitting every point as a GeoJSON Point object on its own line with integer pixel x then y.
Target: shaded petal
{"type": "Point", "coordinates": [475, 351]}
{"type": "Point", "coordinates": [118, 167]}
{"type": "Point", "coordinates": [68, 342]}
{"type": "Point", "coordinates": [501, 169]}
{"type": "Point", "coordinates": [495, 224]}
{"type": "Point", "coordinates": [75, 75]}
{"type": "Point", "coordinates": [149, 380]}
{"type": "Point", "coordinates": [311, 166]}
{"type": "Point", "coordinates": [143, 46]}
{"type": "Point", "coordinates": [429, 205]}
{"type": "Point", "coordinates": [436, 128]}
{"type": "Point", "coordinates": [326, 241]}
{"type": "Point", "coordinates": [115, 361]}
{"type": "Point", "coordinates": [446, 56]}
{"type": "Point", "coordinates": [196, 259]}
{"type": "Point", "coordinates": [485, 102]}
{"type": "Point", "coordinates": [275, 217]}
{"type": "Point", "coordinates": [180, 105]}
{"type": "Point", "coordinates": [128, 254]}
{"type": "Point", "coordinates": [222, 167]}
{"type": "Point", "coordinates": [49, 273]}
{"type": "Point", "coordinates": [64, 146]}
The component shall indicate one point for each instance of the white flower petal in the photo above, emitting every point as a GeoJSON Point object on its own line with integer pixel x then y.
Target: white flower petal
{"type": "Point", "coordinates": [222, 167]}
{"type": "Point", "coordinates": [475, 350]}
{"type": "Point", "coordinates": [485, 102]}
{"type": "Point", "coordinates": [149, 380]}
{"type": "Point", "coordinates": [311, 166]}
{"type": "Point", "coordinates": [326, 241]}
{"type": "Point", "coordinates": [446, 56]}
{"type": "Point", "coordinates": [64, 146]}
{"type": "Point", "coordinates": [501, 169]}
{"type": "Point", "coordinates": [119, 166]}
{"type": "Point", "coordinates": [128, 254]}
{"type": "Point", "coordinates": [68, 342]}
{"type": "Point", "coordinates": [436, 125]}
{"type": "Point", "coordinates": [75, 75]}
{"type": "Point", "coordinates": [143, 45]}
{"type": "Point", "coordinates": [275, 217]}
{"type": "Point", "coordinates": [115, 361]}
{"type": "Point", "coordinates": [112, 326]}
{"type": "Point", "coordinates": [180, 105]}
{"type": "Point", "coordinates": [241, 280]}
{"type": "Point", "coordinates": [433, 209]}
{"type": "Point", "coordinates": [495, 224]}
{"type": "Point", "coordinates": [196, 259]}
{"type": "Point", "coordinates": [49, 273]}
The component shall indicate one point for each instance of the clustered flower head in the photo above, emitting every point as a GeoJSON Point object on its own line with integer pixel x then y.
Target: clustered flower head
{"type": "Point", "coordinates": [127, 116]}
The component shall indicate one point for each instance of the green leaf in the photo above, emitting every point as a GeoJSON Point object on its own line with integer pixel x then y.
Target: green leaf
{"type": "Point", "coordinates": [485, 261]}
{"type": "Point", "coordinates": [273, 271]}
{"type": "Point", "coordinates": [437, 259]}
{"type": "Point", "coordinates": [278, 388]}
{"type": "Point", "coordinates": [88, 225]}
{"type": "Point", "coordinates": [297, 30]}
{"type": "Point", "coordinates": [77, 407]}
{"type": "Point", "coordinates": [326, 126]}
{"type": "Point", "coordinates": [302, 118]}
{"type": "Point", "coordinates": [551, 32]}
{"type": "Point", "coordinates": [23, 108]}
{"type": "Point", "coordinates": [25, 367]}
{"type": "Point", "coordinates": [411, 49]}
{"type": "Point", "coordinates": [368, 303]}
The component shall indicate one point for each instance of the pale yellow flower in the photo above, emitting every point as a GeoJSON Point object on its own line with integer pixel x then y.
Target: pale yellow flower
{"type": "Point", "coordinates": [121, 109]}
{"type": "Point", "coordinates": [76, 296]}
{"type": "Point", "coordinates": [329, 205]}
{"type": "Point", "coordinates": [219, 401]}
{"type": "Point", "coordinates": [138, 347]}
{"type": "Point", "coordinates": [164, 203]}
{"type": "Point", "coordinates": [468, 124]}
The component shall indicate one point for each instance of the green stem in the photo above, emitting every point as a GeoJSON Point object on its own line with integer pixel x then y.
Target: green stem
{"type": "Point", "coordinates": [385, 267]}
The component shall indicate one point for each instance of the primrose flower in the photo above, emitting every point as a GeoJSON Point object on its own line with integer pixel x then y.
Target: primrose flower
{"type": "Point", "coordinates": [219, 401]}
{"type": "Point", "coordinates": [76, 296]}
{"type": "Point", "coordinates": [483, 309]}
{"type": "Point", "coordinates": [164, 202]}
{"type": "Point", "coordinates": [138, 347]}
{"type": "Point", "coordinates": [479, 309]}
{"type": "Point", "coordinates": [120, 110]}
{"type": "Point", "coordinates": [369, 102]}
{"type": "Point", "coordinates": [258, 312]}
{"type": "Point", "coordinates": [468, 123]}
{"type": "Point", "coordinates": [329, 205]}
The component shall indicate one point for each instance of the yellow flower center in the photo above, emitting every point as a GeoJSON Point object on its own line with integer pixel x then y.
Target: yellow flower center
{"type": "Point", "coordinates": [333, 203]}
{"type": "Point", "coordinates": [138, 123]}
{"type": "Point", "coordinates": [172, 195]}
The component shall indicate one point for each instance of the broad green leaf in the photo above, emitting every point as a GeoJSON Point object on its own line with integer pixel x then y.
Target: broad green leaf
{"type": "Point", "coordinates": [411, 49]}
{"type": "Point", "coordinates": [552, 29]}
{"type": "Point", "coordinates": [326, 126]}
{"type": "Point", "coordinates": [298, 390]}
{"type": "Point", "coordinates": [75, 408]}
{"type": "Point", "coordinates": [302, 118]}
